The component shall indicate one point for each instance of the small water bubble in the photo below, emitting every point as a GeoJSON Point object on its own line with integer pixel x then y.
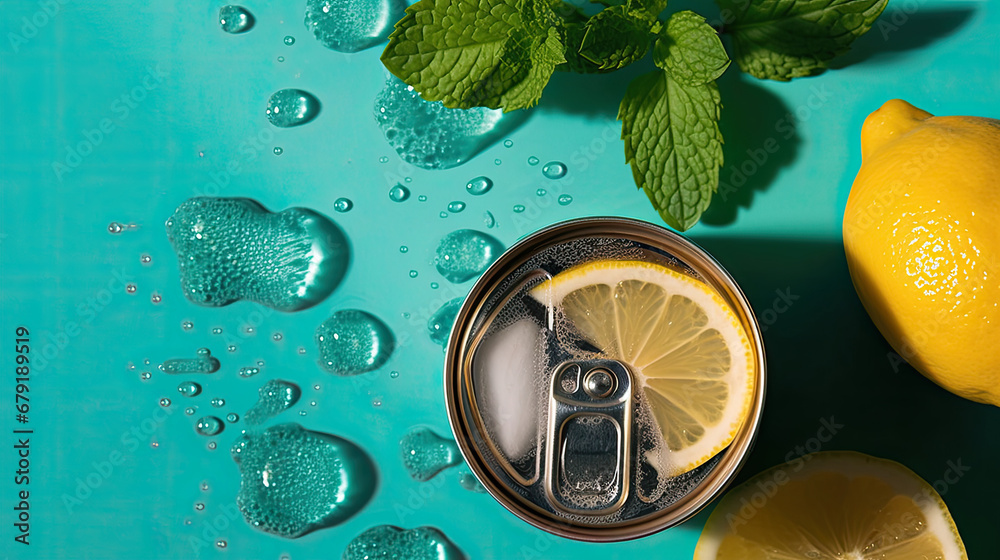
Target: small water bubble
{"type": "Point", "coordinates": [278, 150]}
{"type": "Point", "coordinates": [204, 486]}
{"type": "Point", "coordinates": [508, 143]}
{"type": "Point", "coordinates": [218, 402]}
{"type": "Point", "coordinates": [231, 348]}
{"type": "Point", "coordinates": [291, 107]}
{"type": "Point", "coordinates": [164, 402]}
{"type": "Point", "coordinates": [289, 40]}
{"type": "Point", "coordinates": [212, 445]}
{"type": "Point", "coordinates": [488, 220]}
{"type": "Point", "coordinates": [435, 285]}
{"type": "Point", "coordinates": [518, 208]}
{"type": "Point", "coordinates": [147, 361]}
{"type": "Point", "coordinates": [302, 413]}
{"type": "Point", "coordinates": [312, 403]}
{"type": "Point", "coordinates": [405, 315]}
{"type": "Point", "coordinates": [145, 259]}
{"type": "Point", "coordinates": [343, 205]}
{"type": "Point", "coordinates": [190, 410]}
{"type": "Point", "coordinates": [235, 19]}
{"type": "Point", "coordinates": [565, 199]}
{"type": "Point", "coordinates": [156, 298]}
{"type": "Point", "coordinates": [541, 192]}
{"type": "Point", "coordinates": [131, 288]}
{"type": "Point", "coordinates": [260, 363]}
{"type": "Point", "coordinates": [189, 389]}
{"type": "Point", "coordinates": [399, 193]}
{"type": "Point", "coordinates": [414, 274]}
{"type": "Point", "coordinates": [249, 330]}
{"type": "Point", "coordinates": [479, 186]}
{"type": "Point", "coordinates": [187, 325]}
{"type": "Point", "coordinates": [532, 160]}
{"type": "Point", "coordinates": [198, 506]}
{"type": "Point", "coordinates": [277, 337]}
{"type": "Point", "coordinates": [403, 248]}
{"type": "Point", "coordinates": [383, 159]}
{"type": "Point", "coordinates": [217, 330]}
{"type": "Point", "coordinates": [246, 372]}
{"type": "Point", "coordinates": [422, 198]}
{"type": "Point", "coordinates": [554, 170]}
{"type": "Point", "coordinates": [232, 417]}
{"type": "Point", "coordinates": [281, 59]}
{"type": "Point", "coordinates": [302, 350]}
{"type": "Point", "coordinates": [221, 543]}
{"type": "Point", "coordinates": [316, 387]}
{"type": "Point", "coordinates": [443, 214]}
{"type": "Point", "coordinates": [146, 376]}
{"type": "Point", "coordinates": [408, 179]}
{"type": "Point", "coordinates": [377, 402]}
{"type": "Point", "coordinates": [115, 228]}
{"type": "Point", "coordinates": [394, 374]}
{"type": "Point", "coordinates": [456, 207]}
{"type": "Point", "coordinates": [154, 444]}
{"type": "Point", "coordinates": [497, 161]}
{"type": "Point", "coordinates": [209, 426]}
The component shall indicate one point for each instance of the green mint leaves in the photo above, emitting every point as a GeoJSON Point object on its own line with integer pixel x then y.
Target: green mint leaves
{"type": "Point", "coordinates": [670, 121]}
{"type": "Point", "coordinates": [469, 53]}
{"type": "Point", "coordinates": [502, 53]}
{"type": "Point", "coordinates": [785, 39]}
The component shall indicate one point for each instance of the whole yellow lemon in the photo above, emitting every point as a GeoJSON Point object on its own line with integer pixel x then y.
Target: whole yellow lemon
{"type": "Point", "coordinates": [922, 237]}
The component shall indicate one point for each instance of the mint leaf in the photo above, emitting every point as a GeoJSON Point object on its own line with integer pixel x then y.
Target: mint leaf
{"type": "Point", "coordinates": [690, 50]}
{"type": "Point", "coordinates": [614, 38]}
{"type": "Point", "coordinates": [471, 53]}
{"type": "Point", "coordinates": [785, 39]}
{"type": "Point", "coordinates": [673, 143]}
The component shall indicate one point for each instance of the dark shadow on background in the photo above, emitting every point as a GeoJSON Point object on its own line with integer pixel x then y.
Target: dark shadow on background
{"type": "Point", "coordinates": [591, 95]}
{"type": "Point", "coordinates": [827, 363]}
{"type": "Point", "coordinates": [896, 32]}
{"type": "Point", "coordinates": [760, 139]}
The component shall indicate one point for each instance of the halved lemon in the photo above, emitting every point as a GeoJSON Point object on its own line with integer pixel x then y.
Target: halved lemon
{"type": "Point", "coordinates": [687, 351]}
{"type": "Point", "coordinates": [832, 505]}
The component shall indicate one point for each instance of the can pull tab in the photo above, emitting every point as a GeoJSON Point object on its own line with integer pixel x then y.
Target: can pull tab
{"type": "Point", "coordinates": [590, 423]}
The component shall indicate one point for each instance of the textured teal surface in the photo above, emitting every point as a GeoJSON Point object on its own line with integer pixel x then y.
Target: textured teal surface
{"type": "Point", "coordinates": [114, 475]}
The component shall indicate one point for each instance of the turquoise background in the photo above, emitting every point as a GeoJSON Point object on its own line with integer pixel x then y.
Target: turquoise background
{"type": "Point", "coordinates": [62, 271]}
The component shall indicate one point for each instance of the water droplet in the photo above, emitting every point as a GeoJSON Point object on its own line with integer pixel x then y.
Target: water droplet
{"type": "Point", "coordinates": [532, 160]}
{"type": "Point", "coordinates": [352, 342]}
{"type": "Point", "coordinates": [212, 445]}
{"type": "Point", "coordinates": [443, 214]}
{"type": "Point", "coordinates": [246, 372]}
{"type": "Point", "coordinates": [164, 402]}
{"type": "Point", "coordinates": [422, 198]}
{"type": "Point", "coordinates": [383, 159]}
{"type": "Point", "coordinates": [565, 199]}
{"type": "Point", "coordinates": [190, 410]}
{"type": "Point", "coordinates": [541, 192]}
{"type": "Point", "coordinates": [399, 193]}
{"type": "Point", "coordinates": [221, 543]}
{"type": "Point", "coordinates": [131, 288]}
{"type": "Point", "coordinates": [554, 170]}
{"type": "Point", "coordinates": [343, 205]}
{"type": "Point", "coordinates": [294, 481]}
{"type": "Point", "coordinates": [414, 274]}
{"type": "Point", "coordinates": [278, 150]}
{"type": "Point", "coordinates": [232, 418]}
{"type": "Point", "coordinates": [115, 228]}
{"type": "Point", "coordinates": [231, 249]}
{"type": "Point", "coordinates": [146, 376]}
{"type": "Point", "coordinates": [394, 374]}
{"type": "Point", "coordinates": [316, 387]}
{"type": "Point", "coordinates": [203, 362]}
{"type": "Point", "coordinates": [302, 351]}
{"type": "Point", "coordinates": [187, 325]}
{"type": "Point", "coordinates": [291, 107]}
{"type": "Point", "coordinates": [145, 259]}
{"type": "Point", "coordinates": [249, 330]}
{"type": "Point", "coordinates": [439, 325]}
{"type": "Point", "coordinates": [289, 40]}
{"type": "Point", "coordinates": [352, 25]}
{"type": "Point", "coordinates": [204, 486]}
{"type": "Point", "coordinates": [218, 402]}
{"type": "Point", "coordinates": [497, 161]}
{"type": "Point", "coordinates": [274, 397]}
{"type": "Point", "coordinates": [209, 426]}
{"type": "Point", "coordinates": [470, 482]}
{"type": "Point", "coordinates": [189, 389]}
{"type": "Point", "coordinates": [199, 506]}
{"type": "Point", "coordinates": [231, 348]}
{"type": "Point", "coordinates": [425, 453]}
{"type": "Point", "coordinates": [156, 298]}
{"type": "Point", "coordinates": [518, 208]}
{"type": "Point", "coordinates": [456, 207]}
{"type": "Point", "coordinates": [434, 285]}
{"type": "Point", "coordinates": [376, 402]}
{"type": "Point", "coordinates": [281, 59]}
{"type": "Point", "coordinates": [217, 330]}
{"type": "Point", "coordinates": [312, 403]}
{"type": "Point", "coordinates": [235, 19]}
{"type": "Point", "coordinates": [464, 254]}
{"type": "Point", "coordinates": [508, 143]}
{"type": "Point", "coordinates": [429, 135]}
{"type": "Point", "coordinates": [386, 542]}
{"type": "Point", "coordinates": [403, 248]}
{"type": "Point", "coordinates": [488, 220]}
{"type": "Point", "coordinates": [479, 186]}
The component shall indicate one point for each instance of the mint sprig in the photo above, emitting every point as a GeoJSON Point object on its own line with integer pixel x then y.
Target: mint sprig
{"type": "Point", "coordinates": [502, 53]}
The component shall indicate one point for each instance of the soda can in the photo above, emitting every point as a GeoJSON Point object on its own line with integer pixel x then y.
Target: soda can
{"type": "Point", "coordinates": [550, 414]}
